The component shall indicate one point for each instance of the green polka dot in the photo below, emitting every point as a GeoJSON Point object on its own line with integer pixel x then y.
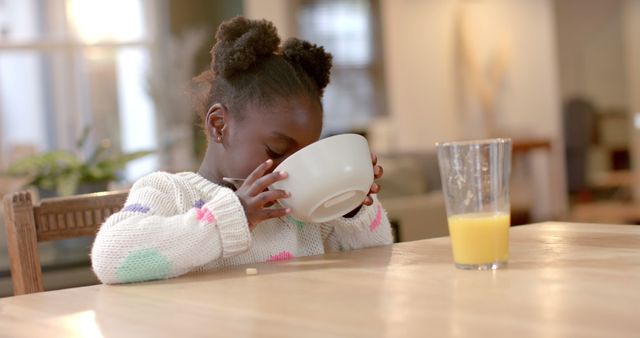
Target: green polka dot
{"type": "Point", "coordinates": [299, 224]}
{"type": "Point", "coordinates": [145, 264]}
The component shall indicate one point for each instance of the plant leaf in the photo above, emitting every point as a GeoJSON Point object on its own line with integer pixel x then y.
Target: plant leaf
{"type": "Point", "coordinates": [65, 171]}
{"type": "Point", "coordinates": [83, 138]}
{"type": "Point", "coordinates": [67, 184]}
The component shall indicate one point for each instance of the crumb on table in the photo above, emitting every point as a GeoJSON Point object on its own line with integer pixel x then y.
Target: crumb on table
{"type": "Point", "coordinates": [251, 271]}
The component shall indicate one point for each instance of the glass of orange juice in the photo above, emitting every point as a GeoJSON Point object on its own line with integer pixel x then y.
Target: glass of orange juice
{"type": "Point", "coordinates": [475, 183]}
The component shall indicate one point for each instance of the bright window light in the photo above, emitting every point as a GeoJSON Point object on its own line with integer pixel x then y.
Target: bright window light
{"type": "Point", "coordinates": [106, 20]}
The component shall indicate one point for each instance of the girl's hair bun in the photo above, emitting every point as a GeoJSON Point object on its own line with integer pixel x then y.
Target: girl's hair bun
{"type": "Point", "coordinates": [241, 43]}
{"type": "Point", "coordinates": [312, 58]}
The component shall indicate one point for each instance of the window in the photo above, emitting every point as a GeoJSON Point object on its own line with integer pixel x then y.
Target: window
{"type": "Point", "coordinates": [349, 30]}
{"type": "Point", "coordinates": [68, 64]}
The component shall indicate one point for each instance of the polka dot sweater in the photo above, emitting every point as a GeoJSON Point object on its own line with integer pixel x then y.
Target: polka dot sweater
{"type": "Point", "coordinates": [173, 224]}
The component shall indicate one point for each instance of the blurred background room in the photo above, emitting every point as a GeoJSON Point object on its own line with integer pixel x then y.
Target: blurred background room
{"type": "Point", "coordinates": [96, 93]}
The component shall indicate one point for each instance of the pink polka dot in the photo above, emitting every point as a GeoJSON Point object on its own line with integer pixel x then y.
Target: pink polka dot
{"type": "Point", "coordinates": [376, 220]}
{"type": "Point", "coordinates": [280, 256]}
{"type": "Point", "coordinates": [205, 214]}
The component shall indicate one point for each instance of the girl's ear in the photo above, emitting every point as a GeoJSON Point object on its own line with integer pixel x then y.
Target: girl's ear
{"type": "Point", "coordinates": [216, 121]}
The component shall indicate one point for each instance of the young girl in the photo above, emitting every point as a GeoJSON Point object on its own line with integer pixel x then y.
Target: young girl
{"type": "Point", "coordinates": [262, 104]}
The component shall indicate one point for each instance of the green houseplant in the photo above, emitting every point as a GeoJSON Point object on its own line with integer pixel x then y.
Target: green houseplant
{"type": "Point", "coordinates": [64, 173]}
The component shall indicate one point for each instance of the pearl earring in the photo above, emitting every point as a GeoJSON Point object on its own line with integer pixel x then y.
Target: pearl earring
{"type": "Point", "coordinates": [219, 139]}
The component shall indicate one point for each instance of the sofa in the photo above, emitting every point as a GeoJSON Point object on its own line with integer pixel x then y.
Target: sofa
{"type": "Point", "coordinates": [411, 193]}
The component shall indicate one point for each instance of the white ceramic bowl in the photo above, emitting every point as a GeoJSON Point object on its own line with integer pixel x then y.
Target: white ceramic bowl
{"type": "Point", "coordinates": [328, 178]}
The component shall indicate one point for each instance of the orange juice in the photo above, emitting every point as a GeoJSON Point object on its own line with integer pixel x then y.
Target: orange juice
{"type": "Point", "coordinates": [480, 238]}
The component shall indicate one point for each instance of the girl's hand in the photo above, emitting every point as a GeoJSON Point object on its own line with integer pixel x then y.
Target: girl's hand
{"type": "Point", "coordinates": [256, 198]}
{"type": "Point", "coordinates": [377, 173]}
{"type": "Point", "coordinates": [375, 188]}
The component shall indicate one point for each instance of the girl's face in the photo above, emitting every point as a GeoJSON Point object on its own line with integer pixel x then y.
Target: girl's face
{"type": "Point", "coordinates": [265, 133]}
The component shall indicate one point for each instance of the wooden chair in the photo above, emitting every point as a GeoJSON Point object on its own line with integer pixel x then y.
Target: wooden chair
{"type": "Point", "coordinates": [52, 219]}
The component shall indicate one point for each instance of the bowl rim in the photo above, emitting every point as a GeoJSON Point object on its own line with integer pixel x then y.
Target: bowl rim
{"type": "Point", "coordinates": [315, 144]}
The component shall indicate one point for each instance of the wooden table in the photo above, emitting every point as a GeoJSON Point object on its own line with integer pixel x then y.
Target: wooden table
{"type": "Point", "coordinates": [564, 280]}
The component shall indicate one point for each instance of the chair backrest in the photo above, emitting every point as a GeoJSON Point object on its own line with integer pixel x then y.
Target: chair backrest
{"type": "Point", "coordinates": [28, 223]}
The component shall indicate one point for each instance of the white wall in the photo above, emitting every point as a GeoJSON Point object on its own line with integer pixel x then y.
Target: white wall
{"type": "Point", "coordinates": [591, 52]}
{"type": "Point", "coordinates": [280, 12]}
{"type": "Point", "coordinates": [421, 63]}
{"type": "Point", "coordinates": [531, 104]}
{"type": "Point", "coordinates": [418, 40]}
{"type": "Point", "coordinates": [631, 26]}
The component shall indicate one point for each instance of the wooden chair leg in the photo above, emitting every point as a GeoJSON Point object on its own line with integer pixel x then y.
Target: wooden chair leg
{"type": "Point", "coordinates": [26, 272]}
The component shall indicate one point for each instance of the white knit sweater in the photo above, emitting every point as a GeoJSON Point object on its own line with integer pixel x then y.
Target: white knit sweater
{"type": "Point", "coordinates": [172, 224]}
